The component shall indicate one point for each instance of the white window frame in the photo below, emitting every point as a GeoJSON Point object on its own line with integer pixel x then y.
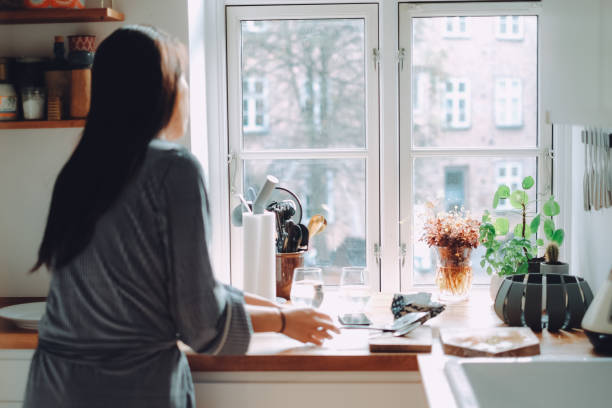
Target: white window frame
{"type": "Point", "coordinates": [408, 153]}
{"type": "Point", "coordinates": [509, 34]}
{"type": "Point", "coordinates": [504, 115]}
{"type": "Point", "coordinates": [371, 152]}
{"type": "Point", "coordinates": [456, 96]}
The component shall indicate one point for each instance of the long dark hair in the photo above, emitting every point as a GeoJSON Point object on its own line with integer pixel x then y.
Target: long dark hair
{"type": "Point", "coordinates": [135, 77]}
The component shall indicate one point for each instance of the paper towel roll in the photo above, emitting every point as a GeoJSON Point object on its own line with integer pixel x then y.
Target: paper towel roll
{"type": "Point", "coordinates": [259, 256]}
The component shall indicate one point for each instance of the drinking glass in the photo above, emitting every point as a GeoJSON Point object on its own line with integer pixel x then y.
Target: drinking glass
{"type": "Point", "coordinates": [307, 287]}
{"type": "Point", "coordinates": [354, 288]}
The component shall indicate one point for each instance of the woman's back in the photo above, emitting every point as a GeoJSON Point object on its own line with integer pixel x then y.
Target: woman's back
{"type": "Point", "coordinates": [115, 312]}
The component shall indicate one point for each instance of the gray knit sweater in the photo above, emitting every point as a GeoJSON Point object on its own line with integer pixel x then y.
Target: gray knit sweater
{"type": "Point", "coordinates": [114, 314]}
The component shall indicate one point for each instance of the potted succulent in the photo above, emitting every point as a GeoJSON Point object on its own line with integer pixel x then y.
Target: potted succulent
{"type": "Point", "coordinates": [516, 254]}
{"type": "Point", "coordinates": [552, 264]}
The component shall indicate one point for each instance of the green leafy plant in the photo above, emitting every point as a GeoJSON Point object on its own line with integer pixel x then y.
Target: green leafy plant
{"type": "Point", "coordinates": [508, 256]}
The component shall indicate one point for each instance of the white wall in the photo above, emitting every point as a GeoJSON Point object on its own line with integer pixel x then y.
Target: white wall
{"type": "Point", "coordinates": [31, 159]}
{"type": "Point", "coordinates": [577, 61]}
{"type": "Point", "coordinates": [591, 231]}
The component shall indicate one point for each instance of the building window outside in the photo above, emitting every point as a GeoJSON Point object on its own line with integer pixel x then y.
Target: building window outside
{"type": "Point", "coordinates": [254, 112]}
{"type": "Point", "coordinates": [457, 103]}
{"type": "Point", "coordinates": [456, 27]}
{"type": "Point", "coordinates": [509, 173]}
{"type": "Point", "coordinates": [508, 102]}
{"type": "Point", "coordinates": [454, 188]}
{"type": "Point", "coordinates": [509, 28]}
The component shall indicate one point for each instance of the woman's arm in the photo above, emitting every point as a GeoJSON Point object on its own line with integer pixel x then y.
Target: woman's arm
{"type": "Point", "coordinates": [303, 324]}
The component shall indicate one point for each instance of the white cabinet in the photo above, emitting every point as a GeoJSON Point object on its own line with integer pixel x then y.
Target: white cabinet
{"type": "Point", "coordinates": [309, 389]}
{"type": "Point", "coordinates": [261, 389]}
{"type": "Point", "coordinates": [14, 368]}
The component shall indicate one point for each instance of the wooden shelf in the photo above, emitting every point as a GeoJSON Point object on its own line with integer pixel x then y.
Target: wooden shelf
{"type": "Point", "coordinates": [43, 124]}
{"type": "Point", "coordinates": [42, 16]}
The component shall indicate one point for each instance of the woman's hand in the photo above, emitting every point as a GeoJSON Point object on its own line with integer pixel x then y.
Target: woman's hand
{"type": "Point", "coordinates": [307, 325]}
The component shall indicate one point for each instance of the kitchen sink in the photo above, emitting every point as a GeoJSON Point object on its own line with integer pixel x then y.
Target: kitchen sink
{"type": "Point", "coordinates": [531, 382]}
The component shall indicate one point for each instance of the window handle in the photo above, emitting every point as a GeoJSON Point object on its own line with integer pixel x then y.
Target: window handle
{"type": "Point", "coordinates": [376, 57]}
{"type": "Point", "coordinates": [401, 55]}
{"type": "Point", "coordinates": [377, 253]}
{"type": "Point", "coordinates": [403, 250]}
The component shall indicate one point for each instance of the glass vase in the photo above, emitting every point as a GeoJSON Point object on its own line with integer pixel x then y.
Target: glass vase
{"type": "Point", "coordinates": [454, 273]}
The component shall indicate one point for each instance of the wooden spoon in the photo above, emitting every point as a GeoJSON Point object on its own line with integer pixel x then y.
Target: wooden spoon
{"type": "Point", "coordinates": [316, 225]}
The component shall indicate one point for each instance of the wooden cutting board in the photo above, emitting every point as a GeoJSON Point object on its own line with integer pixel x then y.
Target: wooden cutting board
{"type": "Point", "coordinates": [417, 341]}
{"type": "Point", "coordinates": [490, 342]}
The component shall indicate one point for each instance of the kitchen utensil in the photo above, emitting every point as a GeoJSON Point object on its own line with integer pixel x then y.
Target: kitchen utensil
{"type": "Point", "coordinates": [490, 342]}
{"type": "Point", "coordinates": [260, 202]}
{"type": "Point", "coordinates": [597, 322]}
{"type": "Point", "coordinates": [585, 179]}
{"type": "Point", "coordinates": [285, 265]}
{"type": "Point", "coordinates": [8, 102]}
{"type": "Point", "coordinates": [402, 325]}
{"type": "Point", "coordinates": [241, 208]}
{"type": "Point", "coordinates": [294, 236]}
{"type": "Point", "coordinates": [80, 93]}
{"type": "Point", "coordinates": [281, 194]}
{"type": "Point", "coordinates": [303, 246]}
{"type": "Point", "coordinates": [25, 315]}
{"type": "Point", "coordinates": [592, 177]}
{"type": "Point", "coordinates": [316, 225]}
{"type": "Point", "coordinates": [418, 341]}
{"type": "Point", "coordinates": [250, 194]}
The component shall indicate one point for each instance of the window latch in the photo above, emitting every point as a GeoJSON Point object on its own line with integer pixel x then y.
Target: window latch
{"type": "Point", "coordinates": [403, 250]}
{"type": "Point", "coordinates": [401, 54]}
{"type": "Point", "coordinates": [377, 253]}
{"type": "Point", "coordinates": [376, 57]}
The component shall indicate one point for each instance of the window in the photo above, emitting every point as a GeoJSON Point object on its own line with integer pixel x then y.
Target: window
{"type": "Point", "coordinates": [445, 168]}
{"type": "Point", "coordinates": [254, 111]}
{"type": "Point", "coordinates": [455, 27]}
{"type": "Point", "coordinates": [509, 28]}
{"type": "Point", "coordinates": [457, 103]}
{"type": "Point", "coordinates": [454, 188]}
{"type": "Point", "coordinates": [509, 173]}
{"type": "Point", "coordinates": [309, 82]}
{"type": "Point", "coordinates": [508, 102]}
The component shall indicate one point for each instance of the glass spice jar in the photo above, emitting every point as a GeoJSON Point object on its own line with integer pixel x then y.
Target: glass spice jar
{"type": "Point", "coordinates": [33, 102]}
{"type": "Point", "coordinates": [454, 273]}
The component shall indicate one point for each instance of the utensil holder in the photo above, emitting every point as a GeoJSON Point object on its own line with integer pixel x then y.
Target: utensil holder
{"type": "Point", "coordinates": [522, 299]}
{"type": "Point", "coordinates": [285, 265]}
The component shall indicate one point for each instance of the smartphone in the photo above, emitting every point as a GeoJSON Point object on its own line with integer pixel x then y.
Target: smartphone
{"type": "Point", "coordinates": [354, 319]}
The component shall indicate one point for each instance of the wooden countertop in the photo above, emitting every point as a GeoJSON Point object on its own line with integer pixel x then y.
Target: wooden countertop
{"type": "Point", "coordinates": [346, 352]}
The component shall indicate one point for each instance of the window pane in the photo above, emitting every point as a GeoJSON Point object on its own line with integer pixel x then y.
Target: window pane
{"type": "Point", "coordinates": [333, 188]}
{"type": "Point", "coordinates": [462, 182]}
{"type": "Point", "coordinates": [478, 61]}
{"type": "Point", "coordinates": [312, 75]}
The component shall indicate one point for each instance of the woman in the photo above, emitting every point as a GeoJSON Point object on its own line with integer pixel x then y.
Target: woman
{"type": "Point", "coordinates": [126, 243]}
